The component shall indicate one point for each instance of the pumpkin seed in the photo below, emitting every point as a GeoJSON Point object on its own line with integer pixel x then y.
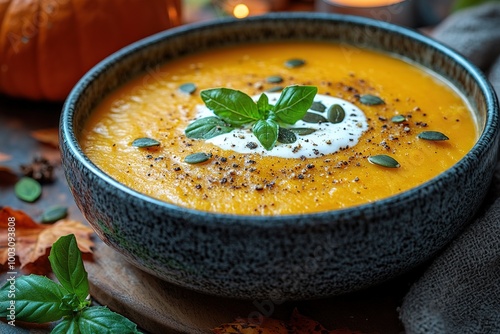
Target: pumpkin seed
{"type": "Point", "coordinates": [302, 131]}
{"type": "Point", "coordinates": [197, 158]}
{"type": "Point", "coordinates": [274, 79]}
{"type": "Point", "coordinates": [398, 119]}
{"type": "Point", "coordinates": [371, 100]}
{"type": "Point", "coordinates": [274, 89]}
{"type": "Point", "coordinates": [145, 142]}
{"type": "Point", "coordinates": [335, 114]}
{"type": "Point", "coordinates": [296, 62]}
{"type": "Point", "coordinates": [310, 117]}
{"type": "Point", "coordinates": [188, 88]}
{"type": "Point", "coordinates": [318, 106]}
{"type": "Point", "coordinates": [53, 214]}
{"type": "Point", "coordinates": [384, 161]}
{"type": "Point", "coordinates": [286, 136]}
{"type": "Point", "coordinates": [432, 135]}
{"type": "Point", "coordinates": [28, 189]}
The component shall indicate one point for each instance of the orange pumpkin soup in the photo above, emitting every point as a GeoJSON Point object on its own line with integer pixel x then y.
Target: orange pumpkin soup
{"type": "Point", "coordinates": [396, 102]}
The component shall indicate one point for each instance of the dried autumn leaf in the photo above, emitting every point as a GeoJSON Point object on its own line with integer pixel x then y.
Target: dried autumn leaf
{"type": "Point", "coordinates": [298, 324]}
{"type": "Point", "coordinates": [33, 240]}
{"type": "Point", "coordinates": [5, 157]}
{"type": "Point", "coordinates": [47, 136]}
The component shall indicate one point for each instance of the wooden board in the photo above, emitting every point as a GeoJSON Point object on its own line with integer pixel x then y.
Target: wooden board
{"type": "Point", "coordinates": [155, 305]}
{"type": "Point", "coordinates": [158, 306]}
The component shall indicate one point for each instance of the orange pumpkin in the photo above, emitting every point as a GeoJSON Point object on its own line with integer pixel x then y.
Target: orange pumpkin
{"type": "Point", "coordinates": [47, 45]}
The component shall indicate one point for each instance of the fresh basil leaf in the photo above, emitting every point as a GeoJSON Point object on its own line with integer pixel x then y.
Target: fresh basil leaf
{"type": "Point", "coordinates": [266, 132]}
{"type": "Point", "coordinates": [233, 106]}
{"type": "Point", "coordinates": [294, 102]}
{"type": "Point", "coordinates": [99, 319]}
{"type": "Point", "coordinates": [37, 299]}
{"type": "Point", "coordinates": [66, 262]}
{"type": "Point", "coordinates": [67, 325]}
{"type": "Point", "coordinates": [263, 104]}
{"type": "Point", "coordinates": [70, 302]}
{"type": "Point", "coordinates": [207, 127]}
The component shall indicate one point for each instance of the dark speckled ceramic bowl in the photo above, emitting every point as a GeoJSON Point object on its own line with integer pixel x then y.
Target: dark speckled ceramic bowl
{"type": "Point", "coordinates": [281, 257]}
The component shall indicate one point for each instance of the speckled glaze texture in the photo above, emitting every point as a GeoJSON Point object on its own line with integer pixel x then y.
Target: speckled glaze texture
{"type": "Point", "coordinates": [281, 257]}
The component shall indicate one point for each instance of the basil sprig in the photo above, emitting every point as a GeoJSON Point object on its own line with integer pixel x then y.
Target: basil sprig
{"type": "Point", "coordinates": [39, 299]}
{"type": "Point", "coordinates": [233, 108]}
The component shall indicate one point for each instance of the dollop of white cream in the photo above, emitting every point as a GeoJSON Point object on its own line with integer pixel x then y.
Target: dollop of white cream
{"type": "Point", "coordinates": [328, 137]}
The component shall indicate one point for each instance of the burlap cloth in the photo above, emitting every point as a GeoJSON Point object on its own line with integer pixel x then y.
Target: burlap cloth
{"type": "Point", "coordinates": [460, 291]}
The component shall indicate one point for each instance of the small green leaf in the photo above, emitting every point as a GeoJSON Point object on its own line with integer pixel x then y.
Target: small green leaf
{"type": "Point", "coordinates": [66, 263]}
{"type": "Point", "coordinates": [145, 142]}
{"type": "Point", "coordinates": [100, 319]}
{"type": "Point", "coordinates": [70, 302]}
{"type": "Point", "coordinates": [28, 189]}
{"type": "Point", "coordinates": [335, 114]}
{"type": "Point", "coordinates": [302, 131]}
{"type": "Point", "coordinates": [286, 136]}
{"type": "Point", "coordinates": [384, 161]}
{"type": "Point", "coordinates": [311, 117]}
{"type": "Point", "coordinates": [207, 127]}
{"type": "Point", "coordinates": [371, 100]}
{"type": "Point", "coordinates": [68, 325]}
{"type": "Point", "coordinates": [54, 213]}
{"type": "Point", "coordinates": [188, 88]}
{"type": "Point", "coordinates": [398, 119]}
{"type": "Point", "coordinates": [318, 106]}
{"type": "Point", "coordinates": [197, 158]}
{"type": "Point", "coordinates": [274, 79]}
{"type": "Point", "coordinates": [37, 299]}
{"type": "Point", "coordinates": [295, 62]}
{"type": "Point", "coordinates": [294, 102]}
{"type": "Point", "coordinates": [266, 132]}
{"type": "Point", "coordinates": [263, 104]}
{"type": "Point", "coordinates": [233, 106]}
{"type": "Point", "coordinates": [432, 135]}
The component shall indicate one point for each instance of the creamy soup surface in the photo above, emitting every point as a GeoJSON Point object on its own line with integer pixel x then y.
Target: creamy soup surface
{"type": "Point", "coordinates": [242, 177]}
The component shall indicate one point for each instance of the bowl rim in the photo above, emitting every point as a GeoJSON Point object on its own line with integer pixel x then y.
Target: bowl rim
{"type": "Point", "coordinates": [483, 142]}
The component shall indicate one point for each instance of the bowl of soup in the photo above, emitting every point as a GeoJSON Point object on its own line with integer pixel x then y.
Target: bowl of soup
{"type": "Point", "coordinates": [286, 156]}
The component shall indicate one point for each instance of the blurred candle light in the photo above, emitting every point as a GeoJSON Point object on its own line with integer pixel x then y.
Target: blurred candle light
{"type": "Point", "coordinates": [241, 9]}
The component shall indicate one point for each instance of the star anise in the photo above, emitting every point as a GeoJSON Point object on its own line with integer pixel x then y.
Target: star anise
{"type": "Point", "coordinates": [40, 169]}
